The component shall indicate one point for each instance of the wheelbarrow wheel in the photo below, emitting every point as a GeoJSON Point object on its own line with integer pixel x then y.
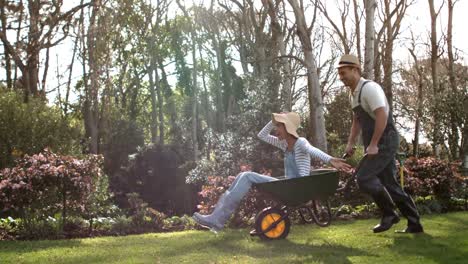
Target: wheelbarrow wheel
{"type": "Point", "coordinates": [321, 213]}
{"type": "Point", "coordinates": [272, 223]}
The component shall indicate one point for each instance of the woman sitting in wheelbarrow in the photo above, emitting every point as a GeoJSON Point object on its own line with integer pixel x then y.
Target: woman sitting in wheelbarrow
{"type": "Point", "coordinates": [297, 155]}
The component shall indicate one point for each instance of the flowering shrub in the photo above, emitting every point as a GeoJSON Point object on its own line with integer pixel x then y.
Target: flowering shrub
{"type": "Point", "coordinates": [430, 176]}
{"type": "Point", "coordinates": [47, 184]}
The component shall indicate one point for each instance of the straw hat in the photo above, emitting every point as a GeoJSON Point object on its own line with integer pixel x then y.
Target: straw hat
{"type": "Point", "coordinates": [349, 60]}
{"type": "Point", "coordinates": [290, 120]}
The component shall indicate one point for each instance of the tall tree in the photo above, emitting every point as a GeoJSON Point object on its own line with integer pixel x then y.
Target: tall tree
{"type": "Point", "coordinates": [278, 38]}
{"type": "Point", "coordinates": [3, 20]}
{"type": "Point", "coordinates": [419, 79]}
{"type": "Point", "coordinates": [46, 19]}
{"type": "Point", "coordinates": [91, 100]}
{"type": "Point", "coordinates": [194, 94]}
{"type": "Point", "coordinates": [316, 108]}
{"type": "Point", "coordinates": [453, 135]}
{"type": "Point", "coordinates": [436, 134]}
{"type": "Point", "coordinates": [393, 12]}
{"type": "Point", "coordinates": [369, 54]}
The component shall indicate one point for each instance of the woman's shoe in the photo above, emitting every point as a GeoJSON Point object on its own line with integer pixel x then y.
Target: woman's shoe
{"type": "Point", "coordinates": [207, 222]}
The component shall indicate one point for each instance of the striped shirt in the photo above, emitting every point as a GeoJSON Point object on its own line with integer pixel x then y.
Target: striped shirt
{"type": "Point", "coordinates": [303, 150]}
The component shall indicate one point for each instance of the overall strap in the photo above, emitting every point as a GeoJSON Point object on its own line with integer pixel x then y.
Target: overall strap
{"type": "Point", "coordinates": [360, 91]}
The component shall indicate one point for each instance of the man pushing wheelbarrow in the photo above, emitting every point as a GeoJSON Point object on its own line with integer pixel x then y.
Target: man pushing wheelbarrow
{"type": "Point", "coordinates": [376, 174]}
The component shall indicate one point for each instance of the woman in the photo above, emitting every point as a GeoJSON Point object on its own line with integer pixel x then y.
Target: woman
{"type": "Point", "coordinates": [297, 153]}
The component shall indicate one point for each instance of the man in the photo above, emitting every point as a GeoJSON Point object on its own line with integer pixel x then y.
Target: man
{"type": "Point", "coordinates": [376, 175]}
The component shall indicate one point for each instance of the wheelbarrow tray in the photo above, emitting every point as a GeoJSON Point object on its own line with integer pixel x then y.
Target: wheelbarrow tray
{"type": "Point", "coordinates": [319, 185]}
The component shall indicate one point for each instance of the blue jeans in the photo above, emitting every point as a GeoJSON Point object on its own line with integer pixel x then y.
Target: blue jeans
{"type": "Point", "coordinates": [230, 200]}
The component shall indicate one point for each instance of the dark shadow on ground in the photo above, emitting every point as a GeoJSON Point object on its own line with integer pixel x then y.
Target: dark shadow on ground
{"type": "Point", "coordinates": [426, 245]}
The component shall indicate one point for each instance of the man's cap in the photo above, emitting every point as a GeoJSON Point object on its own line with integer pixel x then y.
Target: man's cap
{"type": "Point", "coordinates": [349, 60]}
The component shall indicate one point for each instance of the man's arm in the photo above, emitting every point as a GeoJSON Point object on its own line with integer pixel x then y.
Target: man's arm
{"type": "Point", "coordinates": [380, 124]}
{"type": "Point", "coordinates": [355, 129]}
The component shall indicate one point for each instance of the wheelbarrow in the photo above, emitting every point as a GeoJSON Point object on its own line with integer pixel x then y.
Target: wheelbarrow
{"type": "Point", "coordinates": [308, 195]}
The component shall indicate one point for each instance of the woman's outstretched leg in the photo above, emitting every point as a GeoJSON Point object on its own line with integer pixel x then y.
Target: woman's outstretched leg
{"type": "Point", "coordinates": [230, 200]}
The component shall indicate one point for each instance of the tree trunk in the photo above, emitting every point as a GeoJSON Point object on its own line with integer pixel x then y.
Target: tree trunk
{"type": "Point", "coordinates": [419, 110]}
{"type": "Point", "coordinates": [453, 135]}
{"type": "Point", "coordinates": [194, 100]}
{"type": "Point", "coordinates": [7, 56]}
{"type": "Point", "coordinates": [18, 37]}
{"type": "Point", "coordinates": [32, 61]}
{"type": "Point", "coordinates": [317, 121]}
{"type": "Point", "coordinates": [436, 135]}
{"type": "Point", "coordinates": [220, 112]}
{"type": "Point", "coordinates": [160, 107]}
{"type": "Point", "coordinates": [369, 55]}
{"type": "Point", "coordinates": [278, 39]}
{"type": "Point", "coordinates": [92, 104]}
{"type": "Point", "coordinates": [153, 87]}
{"type": "Point", "coordinates": [194, 97]}
{"type": "Point", "coordinates": [206, 105]}
{"type": "Point", "coordinates": [464, 149]}
{"type": "Point", "coordinates": [358, 30]}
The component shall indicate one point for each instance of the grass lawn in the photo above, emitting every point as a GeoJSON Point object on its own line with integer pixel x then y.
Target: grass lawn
{"type": "Point", "coordinates": [445, 241]}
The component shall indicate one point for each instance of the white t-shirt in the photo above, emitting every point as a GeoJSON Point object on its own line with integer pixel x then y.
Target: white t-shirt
{"type": "Point", "coordinates": [372, 97]}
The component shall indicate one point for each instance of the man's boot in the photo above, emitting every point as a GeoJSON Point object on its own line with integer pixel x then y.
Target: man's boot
{"type": "Point", "coordinates": [408, 209]}
{"type": "Point", "coordinates": [389, 217]}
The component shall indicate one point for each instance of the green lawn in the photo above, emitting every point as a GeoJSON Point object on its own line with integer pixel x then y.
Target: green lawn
{"type": "Point", "coordinates": [445, 241]}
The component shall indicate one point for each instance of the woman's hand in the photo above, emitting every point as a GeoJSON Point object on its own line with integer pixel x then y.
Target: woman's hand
{"type": "Point", "coordinates": [340, 164]}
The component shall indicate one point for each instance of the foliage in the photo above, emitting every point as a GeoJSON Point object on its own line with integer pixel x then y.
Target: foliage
{"type": "Point", "coordinates": [123, 138]}
{"type": "Point", "coordinates": [29, 128]}
{"type": "Point", "coordinates": [338, 119]}
{"type": "Point", "coordinates": [444, 106]}
{"type": "Point", "coordinates": [428, 205]}
{"type": "Point", "coordinates": [153, 172]}
{"type": "Point", "coordinates": [429, 176]}
{"type": "Point", "coordinates": [239, 145]}
{"type": "Point", "coordinates": [47, 184]}
{"type": "Point", "coordinates": [229, 148]}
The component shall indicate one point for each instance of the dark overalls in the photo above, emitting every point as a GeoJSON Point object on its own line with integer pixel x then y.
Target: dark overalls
{"type": "Point", "coordinates": [377, 175]}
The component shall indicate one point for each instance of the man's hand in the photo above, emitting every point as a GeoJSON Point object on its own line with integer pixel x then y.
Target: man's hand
{"type": "Point", "coordinates": [349, 150]}
{"type": "Point", "coordinates": [372, 150]}
{"type": "Point", "coordinates": [340, 164]}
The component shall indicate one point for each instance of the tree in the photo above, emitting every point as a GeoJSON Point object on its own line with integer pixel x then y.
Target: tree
{"type": "Point", "coordinates": [46, 19]}
{"type": "Point", "coordinates": [369, 55]}
{"type": "Point", "coordinates": [194, 94]}
{"type": "Point", "coordinates": [392, 15]}
{"type": "Point", "coordinates": [436, 135]}
{"type": "Point", "coordinates": [316, 113]}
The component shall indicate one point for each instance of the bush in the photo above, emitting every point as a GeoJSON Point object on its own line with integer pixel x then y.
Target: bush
{"type": "Point", "coordinates": [428, 205]}
{"type": "Point", "coordinates": [29, 128]}
{"type": "Point", "coordinates": [432, 177]}
{"type": "Point", "coordinates": [155, 174]}
{"type": "Point", "coordinates": [46, 184]}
